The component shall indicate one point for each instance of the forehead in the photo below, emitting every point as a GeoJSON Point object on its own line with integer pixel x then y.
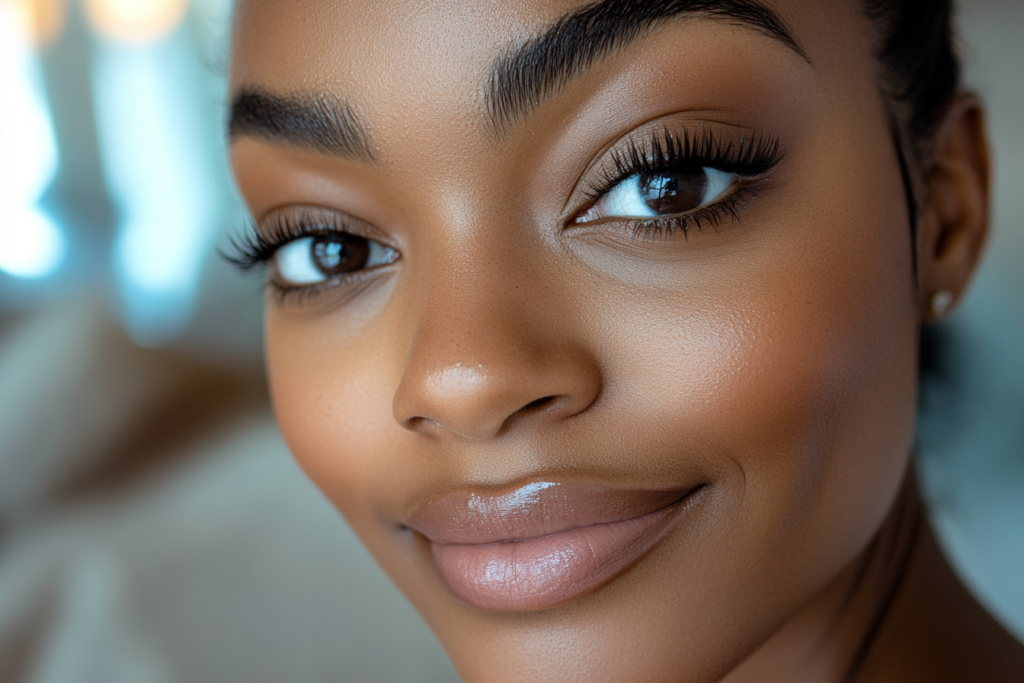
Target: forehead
{"type": "Point", "coordinates": [364, 48]}
{"type": "Point", "coordinates": [439, 54]}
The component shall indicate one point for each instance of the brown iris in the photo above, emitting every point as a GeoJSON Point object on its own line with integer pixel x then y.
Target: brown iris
{"type": "Point", "coordinates": [341, 253]}
{"type": "Point", "coordinates": [673, 192]}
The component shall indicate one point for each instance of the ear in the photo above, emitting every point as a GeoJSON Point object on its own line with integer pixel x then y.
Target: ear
{"type": "Point", "coordinates": [954, 218]}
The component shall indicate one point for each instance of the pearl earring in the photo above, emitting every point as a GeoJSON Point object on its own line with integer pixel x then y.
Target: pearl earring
{"type": "Point", "coordinates": [941, 301]}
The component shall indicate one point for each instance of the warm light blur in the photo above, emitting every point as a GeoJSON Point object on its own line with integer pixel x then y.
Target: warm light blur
{"type": "Point", "coordinates": [39, 21]}
{"type": "Point", "coordinates": [135, 21]}
{"type": "Point", "coordinates": [31, 245]}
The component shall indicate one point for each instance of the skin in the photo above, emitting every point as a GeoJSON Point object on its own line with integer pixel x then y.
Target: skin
{"type": "Point", "coordinates": [773, 358]}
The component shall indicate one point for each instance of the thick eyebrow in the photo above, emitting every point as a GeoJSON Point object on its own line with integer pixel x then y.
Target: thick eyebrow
{"type": "Point", "coordinates": [525, 76]}
{"type": "Point", "coordinates": [316, 122]}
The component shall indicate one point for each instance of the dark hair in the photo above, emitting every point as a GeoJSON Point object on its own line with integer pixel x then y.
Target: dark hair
{"type": "Point", "coordinates": [920, 68]}
{"type": "Point", "coordinates": [920, 76]}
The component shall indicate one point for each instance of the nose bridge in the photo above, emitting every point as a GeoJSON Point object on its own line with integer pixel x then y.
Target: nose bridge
{"type": "Point", "coordinates": [474, 309]}
{"type": "Point", "coordinates": [485, 347]}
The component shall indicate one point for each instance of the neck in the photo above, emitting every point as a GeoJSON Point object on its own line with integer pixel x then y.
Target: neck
{"type": "Point", "coordinates": [897, 613]}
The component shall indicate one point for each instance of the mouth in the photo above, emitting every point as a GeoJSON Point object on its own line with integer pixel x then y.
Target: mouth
{"type": "Point", "coordinates": [543, 544]}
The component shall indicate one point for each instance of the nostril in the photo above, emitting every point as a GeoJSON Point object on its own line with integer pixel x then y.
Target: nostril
{"type": "Point", "coordinates": [539, 404]}
{"type": "Point", "coordinates": [416, 423]}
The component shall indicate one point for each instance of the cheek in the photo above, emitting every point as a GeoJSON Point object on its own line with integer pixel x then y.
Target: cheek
{"type": "Point", "coordinates": [328, 388]}
{"type": "Point", "coordinates": [332, 384]}
{"type": "Point", "coordinates": [817, 397]}
{"type": "Point", "coordinates": [796, 369]}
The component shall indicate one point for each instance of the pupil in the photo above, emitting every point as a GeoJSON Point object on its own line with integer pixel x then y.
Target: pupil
{"type": "Point", "coordinates": [675, 192]}
{"type": "Point", "coordinates": [337, 254]}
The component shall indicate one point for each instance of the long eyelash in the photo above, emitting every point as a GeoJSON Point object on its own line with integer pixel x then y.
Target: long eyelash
{"type": "Point", "coordinates": [665, 150]}
{"type": "Point", "coordinates": [254, 248]}
{"type": "Point", "coordinates": [711, 215]}
{"type": "Point", "coordinates": [249, 250]}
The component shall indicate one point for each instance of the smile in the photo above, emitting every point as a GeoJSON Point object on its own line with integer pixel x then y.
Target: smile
{"type": "Point", "coordinates": [545, 543]}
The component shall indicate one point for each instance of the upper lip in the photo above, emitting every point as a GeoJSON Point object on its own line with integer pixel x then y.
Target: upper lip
{"type": "Point", "coordinates": [534, 510]}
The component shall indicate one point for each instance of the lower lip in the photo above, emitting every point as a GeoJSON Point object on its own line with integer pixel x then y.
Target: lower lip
{"type": "Point", "coordinates": [532, 574]}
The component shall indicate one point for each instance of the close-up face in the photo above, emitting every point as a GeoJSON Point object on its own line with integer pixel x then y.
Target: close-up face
{"type": "Point", "coordinates": [598, 323]}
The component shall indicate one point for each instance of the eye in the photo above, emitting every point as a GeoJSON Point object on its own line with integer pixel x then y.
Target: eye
{"type": "Point", "coordinates": [315, 259]}
{"type": "Point", "coordinates": [654, 194]}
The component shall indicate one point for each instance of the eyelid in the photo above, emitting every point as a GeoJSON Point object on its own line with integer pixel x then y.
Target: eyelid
{"type": "Point", "coordinates": [709, 134]}
{"type": "Point", "coordinates": [295, 221]}
{"type": "Point", "coordinates": [340, 290]}
{"type": "Point", "coordinates": [254, 248]}
{"type": "Point", "coordinates": [719, 186]}
{"type": "Point", "coordinates": [749, 153]}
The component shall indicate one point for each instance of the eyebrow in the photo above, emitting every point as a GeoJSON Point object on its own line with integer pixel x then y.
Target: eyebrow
{"type": "Point", "coordinates": [316, 122]}
{"type": "Point", "coordinates": [522, 78]}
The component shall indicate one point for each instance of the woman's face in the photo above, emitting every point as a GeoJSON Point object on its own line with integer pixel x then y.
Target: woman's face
{"type": "Point", "coordinates": [616, 372]}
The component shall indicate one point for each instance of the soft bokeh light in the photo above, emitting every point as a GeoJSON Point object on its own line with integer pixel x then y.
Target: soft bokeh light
{"type": "Point", "coordinates": [162, 175]}
{"type": "Point", "coordinates": [135, 21]}
{"type": "Point", "coordinates": [39, 21]}
{"type": "Point", "coordinates": [30, 244]}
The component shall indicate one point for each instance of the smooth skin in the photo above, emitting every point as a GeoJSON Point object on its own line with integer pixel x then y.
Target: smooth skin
{"type": "Point", "coordinates": [773, 358]}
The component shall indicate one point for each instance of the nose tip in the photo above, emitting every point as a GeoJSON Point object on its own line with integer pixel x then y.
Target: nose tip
{"type": "Point", "coordinates": [492, 345]}
{"type": "Point", "coordinates": [476, 402]}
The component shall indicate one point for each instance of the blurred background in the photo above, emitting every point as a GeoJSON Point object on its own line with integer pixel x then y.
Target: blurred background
{"type": "Point", "coordinates": [152, 526]}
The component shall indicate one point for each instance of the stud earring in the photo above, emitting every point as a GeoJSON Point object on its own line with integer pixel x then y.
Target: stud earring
{"type": "Point", "coordinates": [941, 301]}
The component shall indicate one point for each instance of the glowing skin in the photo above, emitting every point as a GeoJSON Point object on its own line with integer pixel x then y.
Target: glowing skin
{"type": "Point", "coordinates": [767, 358]}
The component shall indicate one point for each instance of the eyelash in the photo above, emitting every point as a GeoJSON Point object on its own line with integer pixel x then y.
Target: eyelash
{"type": "Point", "coordinates": [254, 249]}
{"type": "Point", "coordinates": [664, 150]}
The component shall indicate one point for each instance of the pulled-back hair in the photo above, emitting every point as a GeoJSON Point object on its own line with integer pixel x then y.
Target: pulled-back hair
{"type": "Point", "coordinates": [920, 77]}
{"type": "Point", "coordinates": [920, 67]}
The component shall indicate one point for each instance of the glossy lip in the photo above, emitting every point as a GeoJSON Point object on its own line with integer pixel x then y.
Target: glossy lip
{"type": "Point", "coordinates": [543, 544]}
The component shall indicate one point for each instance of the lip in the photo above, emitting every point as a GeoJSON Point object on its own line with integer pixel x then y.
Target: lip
{"type": "Point", "coordinates": [543, 544]}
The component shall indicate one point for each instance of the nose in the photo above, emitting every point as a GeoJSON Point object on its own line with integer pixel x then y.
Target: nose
{"type": "Point", "coordinates": [487, 353]}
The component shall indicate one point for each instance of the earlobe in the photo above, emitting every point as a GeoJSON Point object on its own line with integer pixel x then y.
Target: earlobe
{"type": "Point", "coordinates": [955, 216]}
